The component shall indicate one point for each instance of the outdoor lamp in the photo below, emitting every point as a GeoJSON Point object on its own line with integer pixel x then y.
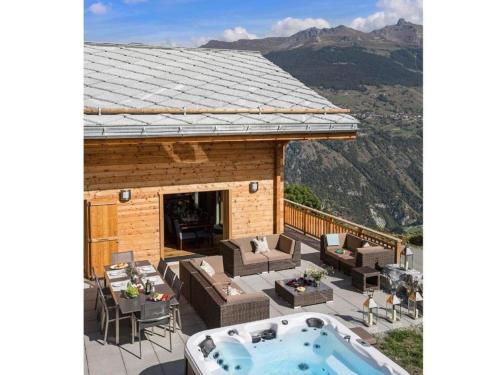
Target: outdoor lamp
{"type": "Point", "coordinates": [413, 300]}
{"type": "Point", "coordinates": [406, 258]}
{"type": "Point", "coordinates": [254, 186]}
{"type": "Point", "coordinates": [393, 308]}
{"type": "Point", "coordinates": [125, 195]}
{"type": "Point", "coordinates": [370, 310]}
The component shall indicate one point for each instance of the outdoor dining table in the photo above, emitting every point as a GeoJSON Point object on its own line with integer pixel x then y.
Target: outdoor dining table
{"type": "Point", "coordinates": [132, 305]}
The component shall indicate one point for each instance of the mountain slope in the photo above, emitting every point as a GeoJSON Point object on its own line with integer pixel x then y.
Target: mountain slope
{"type": "Point", "coordinates": [375, 180]}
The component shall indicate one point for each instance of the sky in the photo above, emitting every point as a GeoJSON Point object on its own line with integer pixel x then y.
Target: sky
{"type": "Point", "coordinates": [191, 23]}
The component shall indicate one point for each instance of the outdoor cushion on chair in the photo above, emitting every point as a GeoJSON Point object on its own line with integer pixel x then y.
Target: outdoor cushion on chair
{"type": "Point", "coordinates": [252, 258]}
{"type": "Point", "coordinates": [332, 239]}
{"type": "Point", "coordinates": [276, 255]}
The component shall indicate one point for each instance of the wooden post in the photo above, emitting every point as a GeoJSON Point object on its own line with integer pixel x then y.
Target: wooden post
{"type": "Point", "coordinates": [162, 225]}
{"type": "Point", "coordinates": [399, 248]}
{"type": "Point", "coordinates": [279, 180]}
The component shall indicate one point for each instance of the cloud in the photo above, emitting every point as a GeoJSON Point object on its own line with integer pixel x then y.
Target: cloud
{"type": "Point", "coordinates": [197, 42]}
{"type": "Point", "coordinates": [290, 26]}
{"type": "Point", "coordinates": [392, 10]}
{"type": "Point", "coordinates": [99, 8]}
{"type": "Point", "coordinates": [231, 35]}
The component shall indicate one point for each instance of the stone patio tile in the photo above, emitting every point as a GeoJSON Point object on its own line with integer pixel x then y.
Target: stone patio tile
{"type": "Point", "coordinates": [103, 359]}
{"type": "Point", "coordinates": [149, 360]}
{"type": "Point", "coordinates": [177, 351]}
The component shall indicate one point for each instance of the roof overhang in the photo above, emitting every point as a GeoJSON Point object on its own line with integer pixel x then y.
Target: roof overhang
{"type": "Point", "coordinates": [170, 131]}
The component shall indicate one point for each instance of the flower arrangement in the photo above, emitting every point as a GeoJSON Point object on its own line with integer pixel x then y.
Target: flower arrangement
{"type": "Point", "coordinates": [317, 274]}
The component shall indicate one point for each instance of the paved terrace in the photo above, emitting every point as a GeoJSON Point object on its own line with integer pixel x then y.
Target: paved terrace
{"type": "Point", "coordinates": [157, 359]}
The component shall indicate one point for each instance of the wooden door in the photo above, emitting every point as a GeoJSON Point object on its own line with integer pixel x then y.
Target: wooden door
{"type": "Point", "coordinates": [102, 230]}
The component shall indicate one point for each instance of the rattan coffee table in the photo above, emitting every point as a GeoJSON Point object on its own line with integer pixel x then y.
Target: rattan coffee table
{"type": "Point", "coordinates": [311, 296]}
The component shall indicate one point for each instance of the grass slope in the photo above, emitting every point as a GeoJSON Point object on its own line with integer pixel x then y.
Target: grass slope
{"type": "Point", "coordinates": [405, 347]}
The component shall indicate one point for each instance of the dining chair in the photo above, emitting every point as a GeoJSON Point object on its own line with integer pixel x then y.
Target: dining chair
{"type": "Point", "coordinates": [109, 310]}
{"type": "Point", "coordinates": [176, 312]}
{"type": "Point", "coordinates": [170, 277]}
{"type": "Point", "coordinates": [105, 290]}
{"type": "Point", "coordinates": [122, 257]}
{"type": "Point", "coordinates": [162, 268]}
{"type": "Point", "coordinates": [205, 234]}
{"type": "Point", "coordinates": [182, 236]}
{"type": "Point", "coordinates": [153, 314]}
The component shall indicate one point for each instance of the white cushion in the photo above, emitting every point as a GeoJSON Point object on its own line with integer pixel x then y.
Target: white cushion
{"type": "Point", "coordinates": [260, 246]}
{"type": "Point", "coordinates": [366, 244]}
{"type": "Point", "coordinates": [233, 291]}
{"type": "Point", "coordinates": [205, 266]}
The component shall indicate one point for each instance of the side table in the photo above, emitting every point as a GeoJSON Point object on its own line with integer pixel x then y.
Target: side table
{"type": "Point", "coordinates": [364, 278]}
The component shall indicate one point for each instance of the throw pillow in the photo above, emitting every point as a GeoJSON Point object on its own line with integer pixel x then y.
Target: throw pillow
{"type": "Point", "coordinates": [233, 291]}
{"type": "Point", "coordinates": [259, 245]}
{"type": "Point", "coordinates": [366, 244]}
{"type": "Point", "coordinates": [332, 239]}
{"type": "Point", "coordinates": [205, 266]}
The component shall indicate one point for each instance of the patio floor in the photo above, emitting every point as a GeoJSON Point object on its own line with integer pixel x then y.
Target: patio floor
{"type": "Point", "coordinates": [156, 359]}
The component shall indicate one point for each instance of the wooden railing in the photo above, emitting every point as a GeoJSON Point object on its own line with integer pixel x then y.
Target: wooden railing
{"type": "Point", "coordinates": [315, 223]}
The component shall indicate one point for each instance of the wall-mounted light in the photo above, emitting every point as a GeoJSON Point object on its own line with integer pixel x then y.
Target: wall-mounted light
{"type": "Point", "coordinates": [125, 195]}
{"type": "Point", "coordinates": [253, 187]}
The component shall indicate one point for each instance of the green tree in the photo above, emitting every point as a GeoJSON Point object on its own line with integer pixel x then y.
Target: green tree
{"type": "Point", "coordinates": [303, 195]}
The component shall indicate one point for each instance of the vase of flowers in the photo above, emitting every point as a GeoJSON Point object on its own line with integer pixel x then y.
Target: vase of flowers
{"type": "Point", "coordinates": [316, 275]}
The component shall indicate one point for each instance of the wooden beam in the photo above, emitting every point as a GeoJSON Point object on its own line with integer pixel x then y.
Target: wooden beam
{"type": "Point", "coordinates": [198, 111]}
{"type": "Point", "coordinates": [279, 180]}
{"type": "Point", "coordinates": [162, 225]}
{"type": "Point", "coordinates": [226, 138]}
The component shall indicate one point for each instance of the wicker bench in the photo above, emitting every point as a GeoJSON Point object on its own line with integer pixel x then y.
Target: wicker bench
{"type": "Point", "coordinates": [356, 253]}
{"type": "Point", "coordinates": [239, 260]}
{"type": "Point", "coordinates": [209, 301]}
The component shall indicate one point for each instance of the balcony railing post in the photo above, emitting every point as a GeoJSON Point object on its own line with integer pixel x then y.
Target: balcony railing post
{"type": "Point", "coordinates": [304, 221]}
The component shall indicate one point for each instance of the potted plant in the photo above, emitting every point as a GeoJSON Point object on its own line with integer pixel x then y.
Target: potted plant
{"type": "Point", "coordinates": [317, 275]}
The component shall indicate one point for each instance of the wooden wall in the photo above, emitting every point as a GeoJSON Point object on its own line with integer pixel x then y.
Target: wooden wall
{"type": "Point", "coordinates": [151, 169]}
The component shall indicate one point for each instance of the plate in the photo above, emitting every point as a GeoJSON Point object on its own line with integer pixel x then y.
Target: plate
{"type": "Point", "coordinates": [118, 266]}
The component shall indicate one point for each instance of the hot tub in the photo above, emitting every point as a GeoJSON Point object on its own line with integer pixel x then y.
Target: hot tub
{"type": "Point", "coordinates": [302, 344]}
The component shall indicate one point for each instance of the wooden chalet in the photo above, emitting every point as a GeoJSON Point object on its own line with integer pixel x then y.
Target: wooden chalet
{"type": "Point", "coordinates": [179, 138]}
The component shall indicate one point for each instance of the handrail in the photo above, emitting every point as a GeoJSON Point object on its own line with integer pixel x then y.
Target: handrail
{"type": "Point", "coordinates": [315, 223]}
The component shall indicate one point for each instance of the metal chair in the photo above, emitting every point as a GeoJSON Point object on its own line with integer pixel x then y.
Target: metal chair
{"type": "Point", "coordinates": [182, 236]}
{"type": "Point", "coordinates": [152, 314]}
{"type": "Point", "coordinates": [162, 268]}
{"type": "Point", "coordinates": [105, 290]}
{"type": "Point", "coordinates": [108, 306]}
{"type": "Point", "coordinates": [176, 312]}
{"type": "Point", "coordinates": [170, 277]}
{"type": "Point", "coordinates": [122, 257]}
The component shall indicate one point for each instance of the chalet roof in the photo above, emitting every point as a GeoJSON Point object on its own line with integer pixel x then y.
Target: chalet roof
{"type": "Point", "coordinates": [136, 76]}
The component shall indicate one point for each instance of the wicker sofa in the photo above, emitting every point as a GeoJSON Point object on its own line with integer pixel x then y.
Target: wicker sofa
{"type": "Point", "coordinates": [240, 260]}
{"type": "Point", "coordinates": [207, 294]}
{"type": "Point", "coordinates": [357, 253]}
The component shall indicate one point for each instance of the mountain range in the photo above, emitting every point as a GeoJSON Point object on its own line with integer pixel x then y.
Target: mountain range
{"type": "Point", "coordinates": [403, 34]}
{"type": "Point", "coordinates": [377, 179]}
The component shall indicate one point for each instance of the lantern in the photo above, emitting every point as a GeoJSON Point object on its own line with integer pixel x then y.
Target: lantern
{"type": "Point", "coordinates": [406, 258]}
{"type": "Point", "coordinates": [125, 195]}
{"type": "Point", "coordinates": [413, 300]}
{"type": "Point", "coordinates": [370, 310]}
{"type": "Point", "coordinates": [393, 308]}
{"type": "Point", "coordinates": [253, 186]}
